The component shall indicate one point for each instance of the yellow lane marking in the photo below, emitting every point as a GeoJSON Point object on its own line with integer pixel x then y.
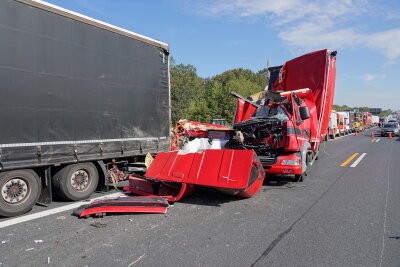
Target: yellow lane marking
{"type": "Point", "coordinates": [358, 160]}
{"type": "Point", "coordinates": [349, 159]}
{"type": "Point", "coordinates": [373, 140]}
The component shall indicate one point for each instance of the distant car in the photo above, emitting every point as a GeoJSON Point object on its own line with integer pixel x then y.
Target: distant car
{"type": "Point", "coordinates": [392, 128]}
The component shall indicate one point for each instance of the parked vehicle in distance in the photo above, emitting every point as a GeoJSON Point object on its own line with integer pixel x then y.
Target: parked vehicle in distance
{"type": "Point", "coordinates": [356, 121]}
{"type": "Point", "coordinates": [343, 122]}
{"type": "Point", "coordinates": [367, 120]}
{"type": "Point", "coordinates": [333, 129]}
{"type": "Point", "coordinates": [392, 128]}
{"type": "Point", "coordinates": [375, 120]}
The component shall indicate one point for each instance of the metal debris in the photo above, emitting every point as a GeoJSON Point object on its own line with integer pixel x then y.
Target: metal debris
{"type": "Point", "coordinates": [98, 225]}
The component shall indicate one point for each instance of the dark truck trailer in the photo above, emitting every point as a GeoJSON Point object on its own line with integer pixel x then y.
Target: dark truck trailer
{"type": "Point", "coordinates": [75, 94]}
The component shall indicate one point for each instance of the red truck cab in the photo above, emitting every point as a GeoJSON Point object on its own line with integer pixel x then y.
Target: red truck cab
{"type": "Point", "coordinates": [286, 126]}
{"type": "Point", "coordinates": [279, 130]}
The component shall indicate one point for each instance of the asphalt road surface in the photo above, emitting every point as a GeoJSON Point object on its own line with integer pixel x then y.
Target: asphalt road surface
{"type": "Point", "coordinates": [345, 213]}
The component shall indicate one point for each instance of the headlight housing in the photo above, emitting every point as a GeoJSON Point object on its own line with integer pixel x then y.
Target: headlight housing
{"type": "Point", "coordinates": [291, 162]}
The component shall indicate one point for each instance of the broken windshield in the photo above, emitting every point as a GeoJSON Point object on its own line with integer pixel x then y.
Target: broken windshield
{"type": "Point", "coordinates": [270, 112]}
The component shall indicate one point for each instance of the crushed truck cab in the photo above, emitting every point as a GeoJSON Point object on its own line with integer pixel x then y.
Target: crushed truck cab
{"type": "Point", "coordinates": [288, 122]}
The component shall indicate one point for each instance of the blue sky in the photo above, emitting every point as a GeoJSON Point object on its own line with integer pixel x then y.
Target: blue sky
{"type": "Point", "coordinates": [218, 35]}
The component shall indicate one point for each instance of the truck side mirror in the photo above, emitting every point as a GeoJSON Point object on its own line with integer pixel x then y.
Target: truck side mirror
{"type": "Point", "coordinates": [304, 113]}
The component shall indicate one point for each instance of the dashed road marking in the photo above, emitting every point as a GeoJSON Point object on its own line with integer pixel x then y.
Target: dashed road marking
{"type": "Point", "coordinates": [349, 159]}
{"type": "Point", "coordinates": [358, 160]}
{"type": "Point", "coordinates": [52, 211]}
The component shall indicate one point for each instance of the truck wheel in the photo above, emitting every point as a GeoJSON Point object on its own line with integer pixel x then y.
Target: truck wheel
{"type": "Point", "coordinates": [309, 159]}
{"type": "Point", "coordinates": [298, 177]}
{"type": "Point", "coordinates": [20, 190]}
{"type": "Point", "coordinates": [76, 181]}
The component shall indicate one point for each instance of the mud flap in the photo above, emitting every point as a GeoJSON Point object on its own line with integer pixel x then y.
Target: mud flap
{"type": "Point", "coordinates": [46, 193]}
{"type": "Point", "coordinates": [234, 171]}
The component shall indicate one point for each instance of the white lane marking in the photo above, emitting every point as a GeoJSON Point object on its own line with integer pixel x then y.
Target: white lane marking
{"type": "Point", "coordinates": [53, 211]}
{"type": "Point", "coordinates": [358, 160]}
{"type": "Point", "coordinates": [377, 140]}
{"type": "Point", "coordinates": [386, 205]}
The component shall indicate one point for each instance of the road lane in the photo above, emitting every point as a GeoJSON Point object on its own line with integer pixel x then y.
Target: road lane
{"type": "Point", "coordinates": [345, 227]}
{"type": "Point", "coordinates": [349, 159]}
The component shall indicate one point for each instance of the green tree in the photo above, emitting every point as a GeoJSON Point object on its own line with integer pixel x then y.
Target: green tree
{"type": "Point", "coordinates": [187, 88]}
{"type": "Point", "coordinates": [199, 99]}
{"type": "Point", "coordinates": [242, 81]}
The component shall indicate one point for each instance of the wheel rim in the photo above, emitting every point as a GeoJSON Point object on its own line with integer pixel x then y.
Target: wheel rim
{"type": "Point", "coordinates": [15, 191]}
{"type": "Point", "coordinates": [80, 180]}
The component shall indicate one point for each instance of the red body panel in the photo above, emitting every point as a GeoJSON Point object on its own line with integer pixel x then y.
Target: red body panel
{"type": "Point", "coordinates": [223, 168]}
{"type": "Point", "coordinates": [171, 191]}
{"type": "Point", "coordinates": [244, 111]}
{"type": "Point", "coordinates": [154, 204]}
{"type": "Point", "coordinates": [316, 71]}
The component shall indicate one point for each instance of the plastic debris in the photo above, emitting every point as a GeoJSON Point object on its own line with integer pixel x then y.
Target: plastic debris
{"type": "Point", "coordinates": [5, 241]}
{"type": "Point", "coordinates": [29, 249]}
{"type": "Point", "coordinates": [38, 241]}
{"type": "Point", "coordinates": [61, 218]}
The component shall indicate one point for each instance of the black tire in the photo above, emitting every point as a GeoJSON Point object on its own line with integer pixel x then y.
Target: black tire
{"type": "Point", "coordinates": [309, 159]}
{"type": "Point", "coordinates": [20, 190]}
{"type": "Point", "coordinates": [298, 177]}
{"type": "Point", "coordinates": [76, 181]}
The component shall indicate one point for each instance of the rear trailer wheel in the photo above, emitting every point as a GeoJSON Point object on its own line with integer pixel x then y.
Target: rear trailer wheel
{"type": "Point", "coordinates": [20, 190]}
{"type": "Point", "coordinates": [76, 181]}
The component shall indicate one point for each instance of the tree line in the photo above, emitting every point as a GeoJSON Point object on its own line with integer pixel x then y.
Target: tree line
{"type": "Point", "coordinates": [204, 99]}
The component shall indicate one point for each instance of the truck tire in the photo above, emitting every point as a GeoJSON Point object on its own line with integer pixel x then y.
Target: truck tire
{"type": "Point", "coordinates": [76, 181]}
{"type": "Point", "coordinates": [298, 177]}
{"type": "Point", "coordinates": [20, 190]}
{"type": "Point", "coordinates": [306, 157]}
